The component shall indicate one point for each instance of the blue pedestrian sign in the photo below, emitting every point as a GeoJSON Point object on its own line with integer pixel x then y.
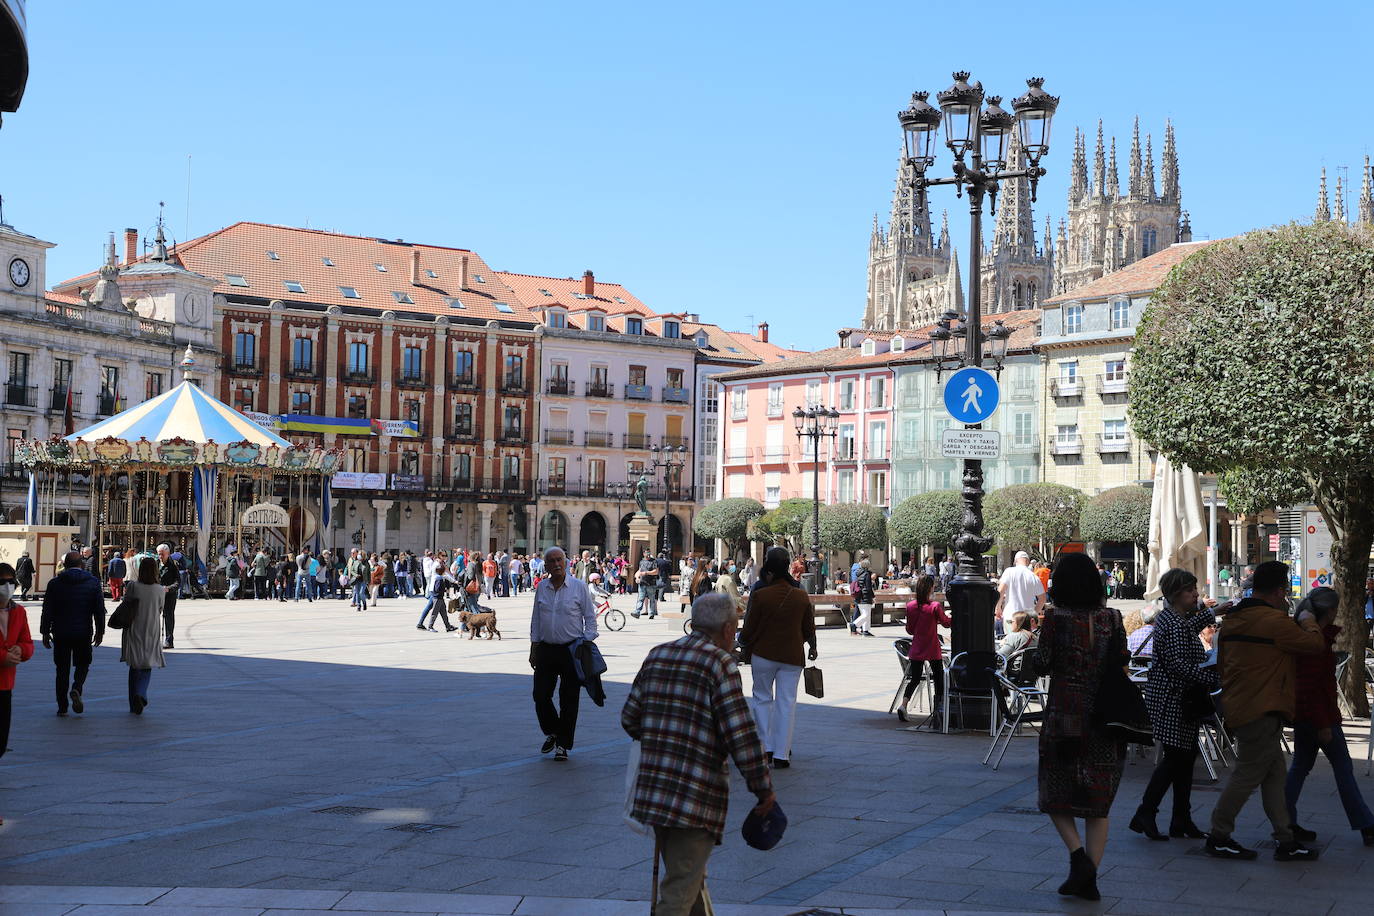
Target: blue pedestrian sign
{"type": "Point", "coordinates": [971, 395]}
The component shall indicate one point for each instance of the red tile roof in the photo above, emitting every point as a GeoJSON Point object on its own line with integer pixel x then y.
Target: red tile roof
{"type": "Point", "coordinates": [611, 298]}
{"type": "Point", "coordinates": [1141, 277]}
{"type": "Point", "coordinates": [241, 250]}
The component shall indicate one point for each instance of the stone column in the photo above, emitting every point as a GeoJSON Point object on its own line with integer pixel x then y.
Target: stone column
{"type": "Point", "coordinates": [431, 526]}
{"type": "Point", "coordinates": [484, 533]}
{"type": "Point", "coordinates": [381, 506]}
{"type": "Point", "coordinates": [531, 530]}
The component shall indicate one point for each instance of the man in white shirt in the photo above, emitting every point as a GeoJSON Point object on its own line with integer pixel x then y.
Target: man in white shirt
{"type": "Point", "coordinates": [563, 613]}
{"type": "Point", "coordinates": [1019, 590]}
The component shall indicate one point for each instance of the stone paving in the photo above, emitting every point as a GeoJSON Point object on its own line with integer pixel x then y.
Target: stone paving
{"type": "Point", "coordinates": [306, 757]}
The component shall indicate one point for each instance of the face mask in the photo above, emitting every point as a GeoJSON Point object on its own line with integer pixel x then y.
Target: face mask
{"type": "Point", "coordinates": [6, 590]}
{"type": "Point", "coordinates": [732, 568]}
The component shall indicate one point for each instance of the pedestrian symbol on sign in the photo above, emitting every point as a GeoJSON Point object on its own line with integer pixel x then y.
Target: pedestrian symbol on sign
{"type": "Point", "coordinates": [971, 395]}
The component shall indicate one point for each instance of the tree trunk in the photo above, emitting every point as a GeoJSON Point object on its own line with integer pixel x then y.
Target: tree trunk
{"type": "Point", "coordinates": [1348, 509]}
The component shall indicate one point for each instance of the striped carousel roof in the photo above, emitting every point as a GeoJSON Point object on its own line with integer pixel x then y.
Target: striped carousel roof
{"type": "Point", "coordinates": [184, 412]}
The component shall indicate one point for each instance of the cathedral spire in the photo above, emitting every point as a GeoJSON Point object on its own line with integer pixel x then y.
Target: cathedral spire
{"type": "Point", "coordinates": [1323, 211]}
{"type": "Point", "coordinates": [1338, 211]}
{"type": "Point", "coordinates": [1014, 231]}
{"type": "Point", "coordinates": [944, 230]}
{"type": "Point", "coordinates": [1149, 188]}
{"type": "Point", "coordinates": [1367, 194]}
{"type": "Point", "coordinates": [909, 226]}
{"type": "Point", "coordinates": [1135, 182]}
{"type": "Point", "coordinates": [1113, 182]}
{"type": "Point", "coordinates": [954, 286]}
{"type": "Point", "coordinates": [1099, 163]}
{"type": "Point", "coordinates": [1168, 166]}
{"type": "Point", "coordinates": [1078, 183]}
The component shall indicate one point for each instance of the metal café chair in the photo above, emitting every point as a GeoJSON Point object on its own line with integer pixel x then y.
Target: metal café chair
{"type": "Point", "coordinates": [972, 675]}
{"type": "Point", "coordinates": [1024, 700]}
{"type": "Point", "coordinates": [903, 648]}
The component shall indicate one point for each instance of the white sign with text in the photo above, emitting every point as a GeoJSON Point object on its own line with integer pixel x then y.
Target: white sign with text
{"type": "Point", "coordinates": [971, 443]}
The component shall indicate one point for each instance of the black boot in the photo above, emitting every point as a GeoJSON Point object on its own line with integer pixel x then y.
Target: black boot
{"type": "Point", "coordinates": [1144, 822]}
{"type": "Point", "coordinates": [1082, 876]}
{"type": "Point", "coordinates": [1183, 828]}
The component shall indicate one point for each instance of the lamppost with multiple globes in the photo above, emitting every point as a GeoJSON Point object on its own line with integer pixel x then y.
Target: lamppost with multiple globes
{"type": "Point", "coordinates": [670, 459]}
{"type": "Point", "coordinates": [816, 423]}
{"type": "Point", "coordinates": [981, 135]}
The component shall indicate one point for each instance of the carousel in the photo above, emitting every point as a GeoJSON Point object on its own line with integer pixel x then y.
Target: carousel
{"type": "Point", "coordinates": [187, 470]}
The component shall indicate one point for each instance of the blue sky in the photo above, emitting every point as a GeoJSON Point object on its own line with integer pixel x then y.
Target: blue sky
{"type": "Point", "coordinates": [723, 158]}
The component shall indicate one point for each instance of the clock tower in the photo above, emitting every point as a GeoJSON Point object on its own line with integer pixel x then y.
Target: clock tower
{"type": "Point", "coordinates": [23, 259]}
{"type": "Point", "coordinates": [161, 288]}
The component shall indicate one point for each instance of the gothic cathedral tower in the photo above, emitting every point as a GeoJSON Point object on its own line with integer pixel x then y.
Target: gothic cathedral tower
{"type": "Point", "coordinates": [910, 272]}
{"type": "Point", "coordinates": [1108, 230]}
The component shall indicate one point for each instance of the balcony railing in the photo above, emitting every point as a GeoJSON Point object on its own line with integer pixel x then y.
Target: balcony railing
{"type": "Point", "coordinates": [1066, 387]}
{"type": "Point", "coordinates": [636, 440]}
{"type": "Point", "coordinates": [738, 411]}
{"type": "Point", "coordinates": [736, 455]}
{"type": "Point", "coordinates": [464, 433]}
{"type": "Point", "coordinates": [466, 382]}
{"type": "Point", "coordinates": [844, 451]}
{"type": "Point", "coordinates": [511, 384]}
{"type": "Point", "coordinates": [774, 454]}
{"type": "Point", "coordinates": [877, 451]}
{"type": "Point", "coordinates": [302, 370]}
{"type": "Point", "coordinates": [1112, 384]}
{"type": "Point", "coordinates": [19, 394]}
{"type": "Point", "coordinates": [108, 405]}
{"type": "Point", "coordinates": [676, 395]}
{"type": "Point", "coordinates": [673, 441]}
{"type": "Point", "coordinates": [558, 437]}
{"type": "Point", "coordinates": [461, 483]}
{"type": "Point", "coordinates": [1072, 446]}
{"type": "Point", "coordinates": [775, 409]}
{"type": "Point", "coordinates": [514, 436]}
{"type": "Point", "coordinates": [1112, 444]}
{"type": "Point", "coordinates": [599, 439]}
{"type": "Point", "coordinates": [58, 399]}
{"type": "Point", "coordinates": [639, 393]}
{"type": "Point", "coordinates": [555, 488]}
{"type": "Point", "coordinates": [599, 390]}
{"type": "Point", "coordinates": [359, 376]}
{"type": "Point", "coordinates": [413, 380]}
{"type": "Point", "coordinates": [560, 386]}
{"type": "Point", "coordinates": [244, 367]}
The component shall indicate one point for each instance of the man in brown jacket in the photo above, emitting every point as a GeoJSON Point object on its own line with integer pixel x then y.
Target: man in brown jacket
{"type": "Point", "coordinates": [1255, 650]}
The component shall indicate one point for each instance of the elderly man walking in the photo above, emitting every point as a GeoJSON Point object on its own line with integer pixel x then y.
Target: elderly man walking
{"type": "Point", "coordinates": [169, 576]}
{"type": "Point", "coordinates": [73, 623]}
{"type": "Point", "coordinates": [563, 614]}
{"type": "Point", "coordinates": [688, 713]}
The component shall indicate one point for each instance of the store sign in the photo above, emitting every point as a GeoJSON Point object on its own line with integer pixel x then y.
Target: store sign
{"type": "Point", "coordinates": [971, 443]}
{"type": "Point", "coordinates": [353, 480]}
{"type": "Point", "coordinates": [406, 481]}
{"type": "Point", "coordinates": [265, 515]}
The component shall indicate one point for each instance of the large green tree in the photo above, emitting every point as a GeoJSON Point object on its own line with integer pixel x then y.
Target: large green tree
{"type": "Point", "coordinates": [1253, 361]}
{"type": "Point", "coordinates": [1033, 516]}
{"type": "Point", "coordinates": [785, 524]}
{"type": "Point", "coordinates": [728, 519]}
{"type": "Point", "coordinates": [850, 527]}
{"type": "Point", "coordinates": [1118, 514]}
{"type": "Point", "coordinates": [933, 518]}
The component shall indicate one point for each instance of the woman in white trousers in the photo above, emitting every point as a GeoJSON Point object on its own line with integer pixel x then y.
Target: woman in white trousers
{"type": "Point", "coordinates": [778, 622]}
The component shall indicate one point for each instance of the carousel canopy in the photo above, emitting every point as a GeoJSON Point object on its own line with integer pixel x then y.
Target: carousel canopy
{"type": "Point", "coordinates": [184, 412]}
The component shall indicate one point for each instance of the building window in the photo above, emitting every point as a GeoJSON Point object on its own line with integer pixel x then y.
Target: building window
{"type": "Point", "coordinates": [877, 488]}
{"type": "Point", "coordinates": [1023, 432]}
{"type": "Point", "coordinates": [1113, 430]}
{"type": "Point", "coordinates": [61, 374]}
{"type": "Point", "coordinates": [813, 393]}
{"type": "Point", "coordinates": [109, 382]}
{"type": "Point", "coordinates": [558, 318]}
{"type": "Point", "coordinates": [877, 392]}
{"type": "Point", "coordinates": [1068, 372]}
{"type": "Point", "coordinates": [462, 469]}
{"type": "Point", "coordinates": [302, 354]}
{"type": "Point", "coordinates": [639, 375]}
{"type": "Point", "coordinates": [1066, 433]}
{"type": "Point", "coordinates": [19, 369]}
{"type": "Point", "coordinates": [357, 358]}
{"type": "Point", "coordinates": [513, 423]}
{"type": "Point", "coordinates": [844, 486]}
{"type": "Point", "coordinates": [596, 322]}
{"type": "Point", "coordinates": [1114, 370]}
{"type": "Point", "coordinates": [1031, 294]}
{"type": "Point", "coordinates": [1121, 314]}
{"type": "Point", "coordinates": [675, 378]}
{"type": "Point", "coordinates": [462, 368]}
{"type": "Point", "coordinates": [512, 469]}
{"type": "Point", "coordinates": [845, 442]}
{"type": "Point", "coordinates": [410, 409]}
{"type": "Point", "coordinates": [775, 400]}
{"type": "Point", "coordinates": [877, 440]}
{"type": "Point", "coordinates": [245, 350]}
{"type": "Point", "coordinates": [402, 298]}
{"type": "Point", "coordinates": [847, 394]}
{"type": "Point", "coordinates": [293, 286]}
{"type": "Point", "coordinates": [1073, 319]}
{"type": "Point", "coordinates": [1016, 296]}
{"type": "Point", "coordinates": [357, 459]}
{"type": "Point", "coordinates": [634, 325]}
{"type": "Point", "coordinates": [1023, 475]}
{"type": "Point", "coordinates": [235, 280]}
{"type": "Point", "coordinates": [515, 370]}
{"type": "Point", "coordinates": [243, 399]}
{"type": "Point", "coordinates": [357, 406]}
{"type": "Point", "coordinates": [739, 403]}
{"type": "Point", "coordinates": [670, 330]}
{"type": "Point", "coordinates": [349, 292]}
{"type": "Point", "coordinates": [710, 394]}
{"type": "Point", "coordinates": [1149, 242]}
{"type": "Point", "coordinates": [462, 419]}
{"type": "Point", "coordinates": [412, 363]}
{"type": "Point", "coordinates": [300, 402]}
{"type": "Point", "coordinates": [152, 385]}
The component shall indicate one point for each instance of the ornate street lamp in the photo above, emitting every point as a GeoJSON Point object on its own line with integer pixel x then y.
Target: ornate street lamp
{"type": "Point", "coordinates": [816, 423]}
{"type": "Point", "coordinates": [670, 459]}
{"type": "Point", "coordinates": [982, 135]}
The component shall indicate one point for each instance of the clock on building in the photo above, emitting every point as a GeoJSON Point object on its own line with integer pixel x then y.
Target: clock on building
{"type": "Point", "coordinates": [19, 273]}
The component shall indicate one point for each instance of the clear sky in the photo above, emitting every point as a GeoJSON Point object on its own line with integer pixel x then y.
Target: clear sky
{"type": "Point", "coordinates": [722, 158]}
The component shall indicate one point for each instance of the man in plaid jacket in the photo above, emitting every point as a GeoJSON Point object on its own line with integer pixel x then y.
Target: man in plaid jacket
{"type": "Point", "coordinates": [687, 711]}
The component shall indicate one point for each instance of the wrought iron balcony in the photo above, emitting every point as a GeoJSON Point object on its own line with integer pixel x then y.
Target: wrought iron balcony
{"type": "Point", "coordinates": [636, 440]}
{"type": "Point", "coordinates": [17, 394]}
{"type": "Point", "coordinates": [639, 393]}
{"type": "Point", "coordinates": [673, 441]}
{"type": "Point", "coordinates": [676, 395]}
{"type": "Point", "coordinates": [302, 370]}
{"type": "Point", "coordinates": [413, 380]}
{"type": "Point", "coordinates": [1114, 383]}
{"type": "Point", "coordinates": [559, 386]}
{"type": "Point", "coordinates": [599, 390]}
{"type": "Point", "coordinates": [461, 433]}
{"type": "Point", "coordinates": [465, 382]}
{"type": "Point", "coordinates": [1067, 446]}
{"type": "Point", "coordinates": [736, 455]}
{"type": "Point", "coordinates": [58, 398]}
{"type": "Point", "coordinates": [244, 367]}
{"type": "Point", "coordinates": [599, 439]}
{"type": "Point", "coordinates": [1113, 444]}
{"type": "Point", "coordinates": [877, 451]}
{"type": "Point", "coordinates": [513, 435]}
{"type": "Point", "coordinates": [775, 408]}
{"type": "Point", "coordinates": [558, 437]}
{"type": "Point", "coordinates": [1066, 387]}
{"type": "Point", "coordinates": [108, 405]}
{"type": "Point", "coordinates": [359, 377]}
{"type": "Point", "coordinates": [774, 454]}
{"type": "Point", "coordinates": [513, 384]}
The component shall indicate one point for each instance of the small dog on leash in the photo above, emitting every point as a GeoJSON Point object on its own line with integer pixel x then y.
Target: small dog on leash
{"type": "Point", "coordinates": [476, 623]}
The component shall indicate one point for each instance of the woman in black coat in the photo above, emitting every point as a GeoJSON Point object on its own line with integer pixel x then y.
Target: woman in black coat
{"type": "Point", "coordinates": [1177, 651]}
{"type": "Point", "coordinates": [862, 590]}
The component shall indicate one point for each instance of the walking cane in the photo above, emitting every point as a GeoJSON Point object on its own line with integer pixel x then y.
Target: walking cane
{"type": "Point", "coordinates": [653, 899]}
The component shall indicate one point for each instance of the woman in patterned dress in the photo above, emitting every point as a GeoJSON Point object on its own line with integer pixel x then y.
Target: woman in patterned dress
{"type": "Point", "coordinates": [1177, 653]}
{"type": "Point", "coordinates": [1079, 769]}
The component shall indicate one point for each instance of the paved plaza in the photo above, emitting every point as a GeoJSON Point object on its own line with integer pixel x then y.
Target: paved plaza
{"type": "Point", "coordinates": [306, 757]}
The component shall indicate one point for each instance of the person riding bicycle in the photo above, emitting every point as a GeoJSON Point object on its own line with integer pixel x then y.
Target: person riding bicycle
{"type": "Point", "coordinates": [599, 593]}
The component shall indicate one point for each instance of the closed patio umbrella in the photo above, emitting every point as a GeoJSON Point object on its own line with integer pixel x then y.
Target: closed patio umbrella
{"type": "Point", "coordinates": [1178, 526]}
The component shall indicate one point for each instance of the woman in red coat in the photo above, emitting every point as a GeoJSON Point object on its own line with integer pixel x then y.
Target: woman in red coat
{"type": "Point", "coordinates": [923, 617]}
{"type": "Point", "coordinates": [16, 645]}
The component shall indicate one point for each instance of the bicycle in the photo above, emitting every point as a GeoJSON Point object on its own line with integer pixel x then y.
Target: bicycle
{"type": "Point", "coordinates": [612, 618]}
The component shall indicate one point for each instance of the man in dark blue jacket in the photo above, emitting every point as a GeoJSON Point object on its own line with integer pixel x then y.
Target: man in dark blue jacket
{"type": "Point", "coordinates": [73, 624]}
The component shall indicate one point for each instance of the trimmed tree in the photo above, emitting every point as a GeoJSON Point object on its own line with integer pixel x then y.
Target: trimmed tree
{"type": "Point", "coordinates": [1253, 362]}
{"type": "Point", "coordinates": [1118, 514]}
{"type": "Point", "coordinates": [850, 527]}
{"type": "Point", "coordinates": [728, 520]}
{"type": "Point", "coordinates": [1033, 516]}
{"type": "Point", "coordinates": [784, 524]}
{"type": "Point", "coordinates": [933, 518]}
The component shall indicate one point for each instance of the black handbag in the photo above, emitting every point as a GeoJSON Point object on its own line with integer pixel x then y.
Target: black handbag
{"type": "Point", "coordinates": [123, 615]}
{"type": "Point", "coordinates": [1197, 702]}
{"type": "Point", "coordinates": [1118, 709]}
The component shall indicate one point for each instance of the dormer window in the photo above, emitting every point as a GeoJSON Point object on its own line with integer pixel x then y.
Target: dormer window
{"type": "Point", "coordinates": [596, 322]}
{"type": "Point", "coordinates": [558, 318]}
{"type": "Point", "coordinates": [402, 298]}
{"type": "Point", "coordinates": [869, 347]}
{"type": "Point", "coordinates": [670, 330]}
{"type": "Point", "coordinates": [634, 326]}
{"type": "Point", "coordinates": [898, 344]}
{"type": "Point", "coordinates": [701, 340]}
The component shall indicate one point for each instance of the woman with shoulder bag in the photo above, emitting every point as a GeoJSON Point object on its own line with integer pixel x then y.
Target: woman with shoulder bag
{"type": "Point", "coordinates": [1178, 695]}
{"type": "Point", "coordinates": [1080, 767]}
{"type": "Point", "coordinates": [924, 617]}
{"type": "Point", "coordinates": [776, 626]}
{"type": "Point", "coordinates": [862, 591]}
{"type": "Point", "coordinates": [140, 643]}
